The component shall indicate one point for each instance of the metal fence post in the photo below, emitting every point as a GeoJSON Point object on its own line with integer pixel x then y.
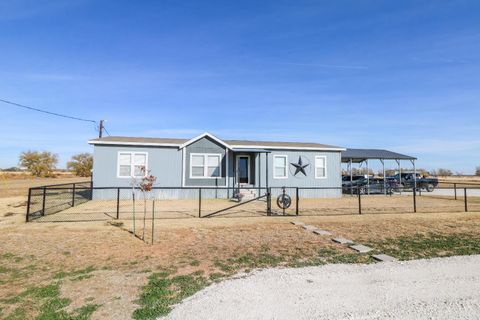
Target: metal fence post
{"type": "Point", "coordinates": [359, 201]}
{"type": "Point", "coordinates": [199, 202]}
{"type": "Point", "coordinates": [269, 201]}
{"type": "Point", "coordinates": [455, 189]}
{"type": "Point", "coordinates": [118, 203]}
{"type": "Point", "coordinates": [296, 205]}
{"type": "Point", "coordinates": [153, 219]}
{"type": "Point", "coordinates": [73, 196]}
{"type": "Point", "coordinates": [44, 198]}
{"type": "Point", "coordinates": [414, 200]}
{"type": "Point", "coordinates": [28, 204]}
{"type": "Point", "coordinates": [465, 197]}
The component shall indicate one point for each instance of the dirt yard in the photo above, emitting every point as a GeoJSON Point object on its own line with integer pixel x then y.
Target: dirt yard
{"type": "Point", "coordinates": [99, 270]}
{"type": "Point", "coordinates": [17, 184]}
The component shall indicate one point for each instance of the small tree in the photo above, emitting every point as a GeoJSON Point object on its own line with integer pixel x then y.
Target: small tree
{"type": "Point", "coordinates": [477, 171]}
{"type": "Point", "coordinates": [444, 172]}
{"type": "Point", "coordinates": [146, 186]}
{"type": "Point", "coordinates": [39, 164]}
{"type": "Point", "coordinates": [81, 164]}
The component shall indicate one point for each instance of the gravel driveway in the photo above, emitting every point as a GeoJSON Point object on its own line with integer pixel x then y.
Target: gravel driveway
{"type": "Point", "coordinates": [447, 288]}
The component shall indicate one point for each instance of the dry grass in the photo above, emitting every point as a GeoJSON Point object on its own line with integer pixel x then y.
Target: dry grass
{"type": "Point", "coordinates": [347, 205]}
{"type": "Point", "coordinates": [103, 267]}
{"type": "Point", "coordinates": [12, 185]}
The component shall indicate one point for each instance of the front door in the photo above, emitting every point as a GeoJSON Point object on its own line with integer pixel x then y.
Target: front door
{"type": "Point", "coordinates": [243, 169]}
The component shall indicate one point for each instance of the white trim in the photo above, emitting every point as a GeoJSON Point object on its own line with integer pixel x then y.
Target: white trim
{"type": "Point", "coordinates": [248, 173]}
{"type": "Point", "coordinates": [183, 168]}
{"type": "Point", "coordinates": [180, 146]}
{"type": "Point", "coordinates": [131, 143]}
{"type": "Point", "coordinates": [285, 148]}
{"type": "Point", "coordinates": [205, 165]}
{"type": "Point", "coordinates": [286, 166]}
{"type": "Point", "coordinates": [132, 164]}
{"type": "Point", "coordinates": [203, 135]}
{"type": "Point", "coordinates": [325, 167]}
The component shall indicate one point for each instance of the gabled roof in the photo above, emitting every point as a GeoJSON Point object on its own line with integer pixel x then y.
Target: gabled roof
{"type": "Point", "coordinates": [359, 155]}
{"type": "Point", "coordinates": [231, 144]}
{"type": "Point", "coordinates": [203, 135]}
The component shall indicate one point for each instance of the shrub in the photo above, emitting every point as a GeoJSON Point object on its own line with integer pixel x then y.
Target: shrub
{"type": "Point", "coordinates": [477, 171]}
{"type": "Point", "coordinates": [444, 172]}
{"type": "Point", "coordinates": [39, 164]}
{"type": "Point", "coordinates": [81, 164]}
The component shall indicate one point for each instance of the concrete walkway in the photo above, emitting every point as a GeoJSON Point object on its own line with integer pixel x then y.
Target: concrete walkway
{"type": "Point", "coordinates": [447, 288]}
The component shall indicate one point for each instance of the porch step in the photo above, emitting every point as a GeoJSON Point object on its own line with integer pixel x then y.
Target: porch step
{"type": "Point", "coordinates": [246, 194]}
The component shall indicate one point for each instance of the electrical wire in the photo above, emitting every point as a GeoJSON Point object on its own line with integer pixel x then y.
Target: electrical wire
{"type": "Point", "coordinates": [44, 111]}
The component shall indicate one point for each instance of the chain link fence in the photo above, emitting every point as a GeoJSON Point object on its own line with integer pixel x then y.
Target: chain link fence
{"type": "Point", "coordinates": [81, 202]}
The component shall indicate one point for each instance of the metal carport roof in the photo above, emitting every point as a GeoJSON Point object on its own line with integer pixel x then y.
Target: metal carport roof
{"type": "Point", "coordinates": [360, 155]}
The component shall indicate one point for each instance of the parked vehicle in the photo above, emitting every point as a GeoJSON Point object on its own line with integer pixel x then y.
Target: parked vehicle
{"type": "Point", "coordinates": [360, 184]}
{"type": "Point", "coordinates": [408, 181]}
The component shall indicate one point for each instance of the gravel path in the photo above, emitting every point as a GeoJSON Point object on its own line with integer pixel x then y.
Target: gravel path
{"type": "Point", "coordinates": [447, 288]}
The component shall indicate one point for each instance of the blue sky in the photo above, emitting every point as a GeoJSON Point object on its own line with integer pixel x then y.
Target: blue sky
{"type": "Point", "coordinates": [401, 75]}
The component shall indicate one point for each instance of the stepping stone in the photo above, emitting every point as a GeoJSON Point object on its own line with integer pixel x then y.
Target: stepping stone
{"type": "Point", "coordinates": [384, 258]}
{"type": "Point", "coordinates": [322, 232]}
{"type": "Point", "coordinates": [298, 223]}
{"type": "Point", "coordinates": [310, 228]}
{"type": "Point", "coordinates": [342, 240]}
{"type": "Point", "coordinates": [361, 248]}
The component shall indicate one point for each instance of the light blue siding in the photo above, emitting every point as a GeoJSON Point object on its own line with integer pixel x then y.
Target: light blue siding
{"type": "Point", "coordinates": [205, 145]}
{"type": "Point", "coordinates": [166, 163]}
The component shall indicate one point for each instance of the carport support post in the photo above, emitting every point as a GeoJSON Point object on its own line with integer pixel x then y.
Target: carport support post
{"type": "Point", "coordinates": [399, 175]}
{"type": "Point", "coordinates": [384, 178]}
{"type": "Point", "coordinates": [368, 177]}
{"type": "Point", "coordinates": [465, 198]}
{"type": "Point", "coordinates": [359, 202]}
{"type": "Point", "coordinates": [414, 176]}
{"type": "Point", "coordinates": [351, 177]}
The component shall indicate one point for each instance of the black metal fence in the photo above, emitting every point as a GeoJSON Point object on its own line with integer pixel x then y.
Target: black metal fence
{"type": "Point", "coordinates": [81, 202]}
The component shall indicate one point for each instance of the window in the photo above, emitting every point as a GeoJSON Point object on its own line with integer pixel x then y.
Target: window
{"type": "Point", "coordinates": [130, 164]}
{"type": "Point", "coordinates": [320, 167]}
{"type": "Point", "coordinates": [205, 165]}
{"type": "Point", "coordinates": [280, 166]}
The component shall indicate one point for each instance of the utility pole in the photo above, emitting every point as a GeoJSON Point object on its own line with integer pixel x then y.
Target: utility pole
{"type": "Point", "coordinates": [100, 130]}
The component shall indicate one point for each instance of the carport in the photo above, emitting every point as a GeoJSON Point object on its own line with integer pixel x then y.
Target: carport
{"type": "Point", "coordinates": [360, 156]}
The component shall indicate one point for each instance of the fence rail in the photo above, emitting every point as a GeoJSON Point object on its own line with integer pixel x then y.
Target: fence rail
{"type": "Point", "coordinates": [81, 202]}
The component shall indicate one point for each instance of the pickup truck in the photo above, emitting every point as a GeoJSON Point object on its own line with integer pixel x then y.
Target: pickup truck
{"type": "Point", "coordinates": [360, 184]}
{"type": "Point", "coordinates": [408, 181]}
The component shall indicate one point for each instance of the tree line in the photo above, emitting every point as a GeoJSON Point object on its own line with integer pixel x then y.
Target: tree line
{"type": "Point", "coordinates": [44, 163]}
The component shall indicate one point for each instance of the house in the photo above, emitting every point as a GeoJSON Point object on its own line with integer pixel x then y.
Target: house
{"type": "Point", "coordinates": [209, 162]}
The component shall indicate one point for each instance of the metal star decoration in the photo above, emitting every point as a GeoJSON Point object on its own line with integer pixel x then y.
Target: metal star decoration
{"type": "Point", "coordinates": [300, 167]}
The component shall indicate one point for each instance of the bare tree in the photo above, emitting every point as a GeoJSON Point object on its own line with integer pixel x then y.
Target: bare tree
{"type": "Point", "coordinates": [444, 172]}
{"type": "Point", "coordinates": [81, 164]}
{"type": "Point", "coordinates": [39, 164]}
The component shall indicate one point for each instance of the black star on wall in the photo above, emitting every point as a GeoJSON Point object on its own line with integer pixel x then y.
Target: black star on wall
{"type": "Point", "coordinates": [300, 167]}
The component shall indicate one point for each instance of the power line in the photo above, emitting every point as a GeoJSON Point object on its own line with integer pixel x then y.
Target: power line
{"type": "Point", "coordinates": [48, 112]}
{"type": "Point", "coordinates": [106, 130]}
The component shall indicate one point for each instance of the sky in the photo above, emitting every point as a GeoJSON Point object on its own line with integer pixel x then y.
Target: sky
{"type": "Point", "coordinates": [397, 75]}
